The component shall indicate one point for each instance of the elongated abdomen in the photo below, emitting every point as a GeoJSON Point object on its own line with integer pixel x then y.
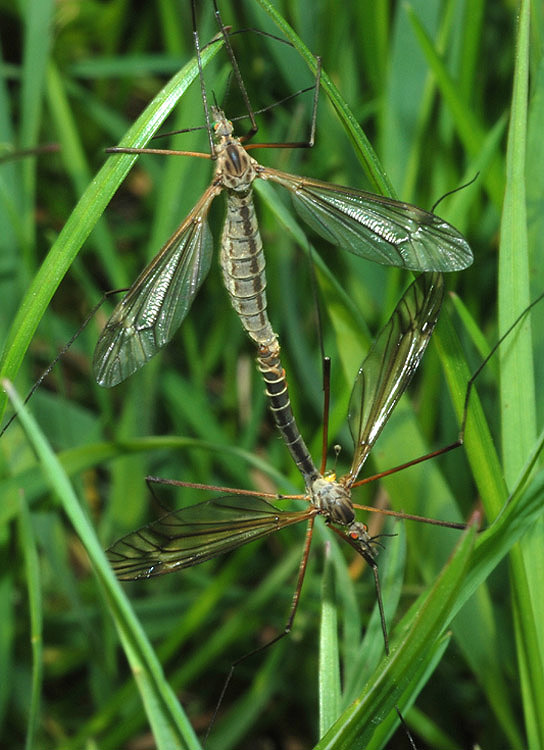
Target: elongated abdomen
{"type": "Point", "coordinates": [280, 405]}
{"type": "Point", "coordinates": [243, 265]}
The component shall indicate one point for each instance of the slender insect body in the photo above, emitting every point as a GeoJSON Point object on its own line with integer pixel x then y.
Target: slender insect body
{"type": "Point", "coordinates": [382, 230]}
{"type": "Point", "coordinates": [241, 257]}
{"type": "Point", "coordinates": [277, 393]}
{"type": "Point", "coordinates": [243, 265]}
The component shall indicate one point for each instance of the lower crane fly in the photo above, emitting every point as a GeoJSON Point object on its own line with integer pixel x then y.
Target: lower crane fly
{"type": "Point", "coordinates": [189, 536]}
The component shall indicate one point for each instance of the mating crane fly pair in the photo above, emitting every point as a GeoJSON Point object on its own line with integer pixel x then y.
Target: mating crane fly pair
{"type": "Point", "coordinates": [370, 226]}
{"type": "Point", "coordinates": [373, 227]}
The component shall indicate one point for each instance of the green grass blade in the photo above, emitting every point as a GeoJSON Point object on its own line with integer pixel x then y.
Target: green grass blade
{"type": "Point", "coordinates": [517, 385]}
{"type": "Point", "coordinates": [169, 724]}
{"type": "Point", "coordinates": [480, 449]}
{"type": "Point", "coordinates": [355, 726]}
{"type": "Point", "coordinates": [32, 571]}
{"type": "Point", "coordinates": [37, 47]}
{"type": "Point", "coordinates": [84, 217]}
{"type": "Point", "coordinates": [77, 169]}
{"type": "Point", "coordinates": [468, 126]}
{"type": "Point", "coordinates": [518, 403]}
{"type": "Point", "coordinates": [329, 664]}
{"type": "Point", "coordinates": [364, 150]}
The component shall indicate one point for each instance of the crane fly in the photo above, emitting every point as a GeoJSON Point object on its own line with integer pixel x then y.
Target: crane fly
{"type": "Point", "coordinates": [374, 227]}
{"type": "Point", "coordinates": [186, 537]}
{"type": "Point", "coordinates": [377, 228]}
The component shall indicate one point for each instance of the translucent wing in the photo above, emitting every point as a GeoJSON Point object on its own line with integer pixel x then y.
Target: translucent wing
{"type": "Point", "coordinates": [374, 227]}
{"type": "Point", "coordinates": [192, 535]}
{"type": "Point", "coordinates": [391, 363]}
{"type": "Point", "coordinates": [155, 305]}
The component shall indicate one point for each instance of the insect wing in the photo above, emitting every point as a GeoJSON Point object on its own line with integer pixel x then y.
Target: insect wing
{"type": "Point", "coordinates": [154, 307]}
{"type": "Point", "coordinates": [391, 363]}
{"type": "Point", "coordinates": [192, 535]}
{"type": "Point", "coordinates": [374, 227]}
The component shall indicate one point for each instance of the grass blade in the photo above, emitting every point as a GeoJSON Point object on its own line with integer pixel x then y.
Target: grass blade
{"type": "Point", "coordinates": [169, 724]}
{"type": "Point", "coordinates": [84, 217]}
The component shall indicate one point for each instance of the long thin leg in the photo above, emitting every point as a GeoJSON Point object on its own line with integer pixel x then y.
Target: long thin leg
{"type": "Point", "coordinates": [299, 144]}
{"type": "Point", "coordinates": [286, 629]}
{"type": "Point", "coordinates": [202, 83]}
{"type": "Point", "coordinates": [63, 351]}
{"type": "Point", "coordinates": [326, 405]}
{"type": "Point", "coordinates": [245, 96]}
{"type": "Point", "coordinates": [236, 70]}
{"type": "Point", "coordinates": [405, 726]}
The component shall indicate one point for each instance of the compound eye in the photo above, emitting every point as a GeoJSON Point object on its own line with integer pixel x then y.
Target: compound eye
{"type": "Point", "coordinates": [360, 532]}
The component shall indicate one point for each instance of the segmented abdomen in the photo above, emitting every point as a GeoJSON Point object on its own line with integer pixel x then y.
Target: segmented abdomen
{"type": "Point", "coordinates": [243, 265]}
{"type": "Point", "coordinates": [280, 405]}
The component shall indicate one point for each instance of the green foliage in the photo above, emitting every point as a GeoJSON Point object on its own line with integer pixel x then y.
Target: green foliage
{"type": "Point", "coordinates": [440, 90]}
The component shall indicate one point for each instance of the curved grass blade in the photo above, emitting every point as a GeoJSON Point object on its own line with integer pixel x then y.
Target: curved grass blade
{"type": "Point", "coordinates": [84, 217]}
{"type": "Point", "coordinates": [34, 583]}
{"type": "Point", "coordinates": [170, 726]}
{"type": "Point", "coordinates": [354, 729]}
